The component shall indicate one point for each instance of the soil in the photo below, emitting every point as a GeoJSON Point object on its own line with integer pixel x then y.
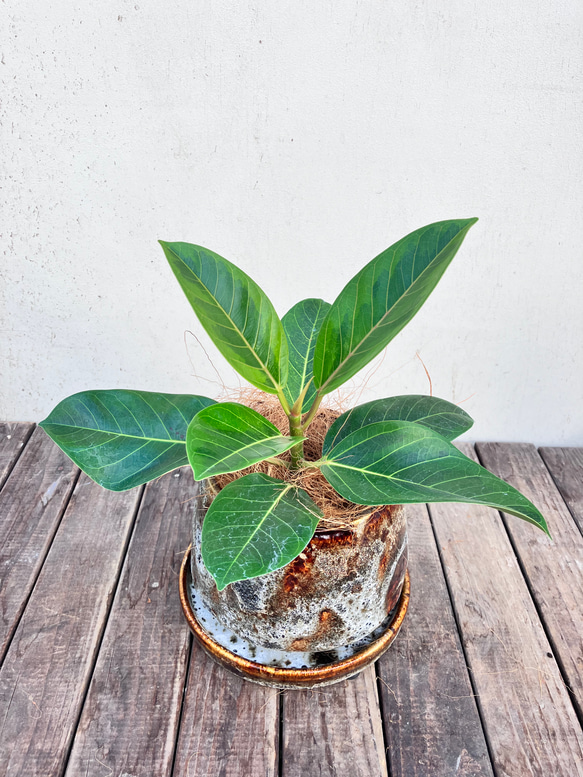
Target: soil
{"type": "Point", "coordinates": [338, 513]}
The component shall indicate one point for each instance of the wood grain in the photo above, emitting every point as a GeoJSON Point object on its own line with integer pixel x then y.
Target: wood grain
{"type": "Point", "coordinates": [432, 725]}
{"type": "Point", "coordinates": [528, 717]}
{"type": "Point", "coordinates": [335, 730]}
{"type": "Point", "coordinates": [31, 506]}
{"type": "Point", "coordinates": [554, 568]}
{"type": "Point", "coordinates": [229, 726]}
{"type": "Point", "coordinates": [47, 668]}
{"type": "Point", "coordinates": [13, 438]}
{"type": "Point", "coordinates": [130, 718]}
{"type": "Point", "coordinates": [566, 468]}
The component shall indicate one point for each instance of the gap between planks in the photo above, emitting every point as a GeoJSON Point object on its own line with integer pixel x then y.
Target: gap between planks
{"type": "Point", "coordinates": [32, 504]}
{"type": "Point", "coordinates": [468, 628]}
{"type": "Point", "coordinates": [52, 655]}
{"type": "Point", "coordinates": [432, 723]}
{"type": "Point", "coordinates": [553, 569]}
{"type": "Point", "coordinates": [338, 728]}
{"type": "Point", "coordinates": [528, 717]}
{"type": "Point", "coordinates": [132, 710]}
{"type": "Point", "coordinates": [13, 438]}
{"type": "Point", "coordinates": [566, 468]}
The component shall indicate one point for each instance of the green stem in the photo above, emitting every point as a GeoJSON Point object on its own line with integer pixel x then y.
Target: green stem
{"type": "Point", "coordinates": [294, 415]}
{"type": "Point", "coordinates": [283, 402]}
{"type": "Point", "coordinates": [295, 430]}
{"type": "Point", "coordinates": [312, 412]}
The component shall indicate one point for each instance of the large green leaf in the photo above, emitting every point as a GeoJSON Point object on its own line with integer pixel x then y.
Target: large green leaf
{"type": "Point", "coordinates": [236, 313]}
{"type": "Point", "coordinates": [301, 325]}
{"type": "Point", "coordinates": [384, 296]}
{"type": "Point", "coordinates": [443, 417]}
{"type": "Point", "coordinates": [123, 438]}
{"type": "Point", "coordinates": [255, 525]}
{"type": "Point", "coordinates": [228, 437]}
{"type": "Point", "coordinates": [396, 462]}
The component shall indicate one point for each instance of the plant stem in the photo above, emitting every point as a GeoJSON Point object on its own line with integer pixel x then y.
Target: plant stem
{"type": "Point", "coordinates": [283, 402]}
{"type": "Point", "coordinates": [294, 416]}
{"type": "Point", "coordinates": [312, 412]}
{"type": "Point", "coordinates": [295, 430]}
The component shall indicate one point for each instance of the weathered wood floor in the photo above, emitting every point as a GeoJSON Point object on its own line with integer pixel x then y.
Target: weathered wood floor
{"type": "Point", "coordinates": [100, 678]}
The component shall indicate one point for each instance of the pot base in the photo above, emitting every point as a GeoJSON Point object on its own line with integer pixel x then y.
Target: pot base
{"type": "Point", "coordinates": [281, 669]}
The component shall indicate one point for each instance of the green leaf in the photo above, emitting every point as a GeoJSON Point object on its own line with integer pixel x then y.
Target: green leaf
{"type": "Point", "coordinates": [255, 525]}
{"type": "Point", "coordinates": [384, 296]}
{"type": "Point", "coordinates": [236, 313]}
{"type": "Point", "coordinates": [301, 325]}
{"type": "Point", "coordinates": [397, 462]}
{"type": "Point", "coordinates": [123, 438]}
{"type": "Point", "coordinates": [228, 437]}
{"type": "Point", "coordinates": [443, 417]}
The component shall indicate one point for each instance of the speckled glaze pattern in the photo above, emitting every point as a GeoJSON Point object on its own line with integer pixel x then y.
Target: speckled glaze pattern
{"type": "Point", "coordinates": [331, 669]}
{"type": "Point", "coordinates": [337, 591]}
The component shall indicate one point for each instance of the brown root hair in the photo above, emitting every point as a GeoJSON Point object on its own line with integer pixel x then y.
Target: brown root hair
{"type": "Point", "coordinates": [338, 513]}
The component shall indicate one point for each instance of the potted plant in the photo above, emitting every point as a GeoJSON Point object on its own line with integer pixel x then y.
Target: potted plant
{"type": "Point", "coordinates": [270, 589]}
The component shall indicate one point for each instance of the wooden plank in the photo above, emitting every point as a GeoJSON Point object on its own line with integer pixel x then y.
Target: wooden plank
{"type": "Point", "coordinates": [130, 718]}
{"type": "Point", "coordinates": [13, 438]}
{"type": "Point", "coordinates": [229, 726]}
{"type": "Point", "coordinates": [530, 723]}
{"type": "Point", "coordinates": [554, 569]}
{"type": "Point", "coordinates": [335, 730]}
{"type": "Point", "coordinates": [566, 468]}
{"type": "Point", "coordinates": [47, 668]}
{"type": "Point", "coordinates": [432, 724]}
{"type": "Point", "coordinates": [31, 506]}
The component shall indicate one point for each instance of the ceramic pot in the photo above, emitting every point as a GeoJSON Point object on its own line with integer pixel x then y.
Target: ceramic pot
{"type": "Point", "coordinates": [335, 600]}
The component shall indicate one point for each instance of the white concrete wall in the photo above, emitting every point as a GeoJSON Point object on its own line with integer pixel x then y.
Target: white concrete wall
{"type": "Point", "coordinates": [297, 139]}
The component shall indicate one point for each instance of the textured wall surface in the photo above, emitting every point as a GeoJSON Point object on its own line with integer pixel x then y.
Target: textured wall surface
{"type": "Point", "coordinates": [298, 140]}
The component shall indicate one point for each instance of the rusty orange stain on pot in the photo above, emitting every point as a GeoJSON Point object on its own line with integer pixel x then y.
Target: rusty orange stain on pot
{"type": "Point", "coordinates": [291, 678]}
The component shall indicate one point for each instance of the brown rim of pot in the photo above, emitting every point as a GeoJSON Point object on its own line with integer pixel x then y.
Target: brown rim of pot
{"type": "Point", "coordinates": [274, 675]}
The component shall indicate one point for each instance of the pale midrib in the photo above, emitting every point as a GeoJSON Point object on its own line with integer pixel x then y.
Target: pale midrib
{"type": "Point", "coordinates": [275, 385]}
{"type": "Point", "coordinates": [257, 528]}
{"type": "Point", "coordinates": [304, 372]}
{"type": "Point", "coordinates": [332, 463]}
{"type": "Point", "coordinates": [150, 465]}
{"type": "Point", "coordinates": [304, 359]}
{"type": "Point", "coordinates": [482, 499]}
{"type": "Point", "coordinates": [310, 339]}
{"type": "Point", "coordinates": [422, 421]}
{"type": "Point", "coordinates": [119, 434]}
{"type": "Point", "coordinates": [240, 451]}
{"type": "Point", "coordinates": [380, 322]}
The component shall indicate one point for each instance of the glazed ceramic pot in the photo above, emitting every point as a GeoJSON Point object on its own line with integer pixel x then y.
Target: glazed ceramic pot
{"type": "Point", "coordinates": [340, 598]}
